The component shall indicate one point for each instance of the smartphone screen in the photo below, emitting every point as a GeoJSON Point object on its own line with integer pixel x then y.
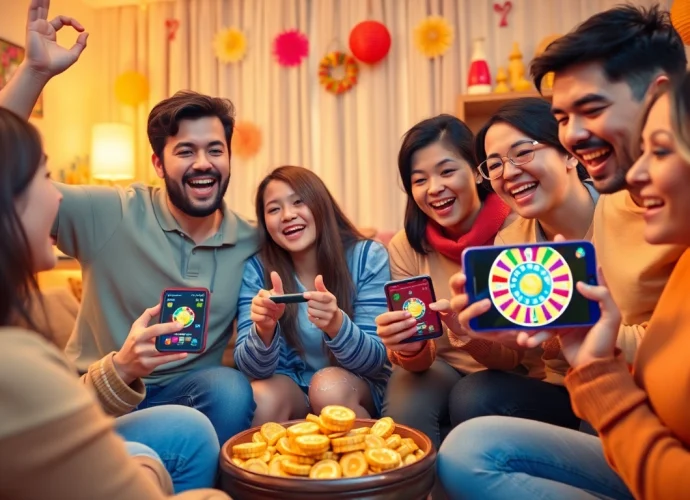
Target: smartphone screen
{"type": "Point", "coordinates": [532, 286]}
{"type": "Point", "coordinates": [189, 308]}
{"type": "Point", "coordinates": [414, 296]}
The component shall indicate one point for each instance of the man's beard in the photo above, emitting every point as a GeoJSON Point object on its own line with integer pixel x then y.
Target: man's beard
{"type": "Point", "coordinates": [181, 202]}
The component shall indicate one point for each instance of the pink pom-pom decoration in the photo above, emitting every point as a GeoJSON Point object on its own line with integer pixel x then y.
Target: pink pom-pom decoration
{"type": "Point", "coordinates": [290, 47]}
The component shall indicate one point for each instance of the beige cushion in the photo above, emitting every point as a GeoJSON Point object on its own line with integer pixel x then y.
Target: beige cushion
{"type": "Point", "coordinates": [58, 316]}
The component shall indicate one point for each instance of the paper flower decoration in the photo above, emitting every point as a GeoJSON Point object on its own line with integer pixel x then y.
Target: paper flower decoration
{"type": "Point", "coordinates": [433, 36]}
{"type": "Point", "coordinates": [290, 47]}
{"type": "Point", "coordinates": [246, 140]}
{"type": "Point", "coordinates": [230, 45]}
{"type": "Point", "coordinates": [131, 88]}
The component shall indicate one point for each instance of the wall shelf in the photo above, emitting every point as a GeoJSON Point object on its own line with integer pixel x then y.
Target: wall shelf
{"type": "Point", "coordinates": [475, 110]}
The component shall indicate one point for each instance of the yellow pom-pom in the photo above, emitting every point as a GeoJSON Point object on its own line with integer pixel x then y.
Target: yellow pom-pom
{"type": "Point", "coordinates": [131, 88]}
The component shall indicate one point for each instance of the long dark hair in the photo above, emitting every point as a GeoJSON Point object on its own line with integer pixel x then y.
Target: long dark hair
{"type": "Point", "coordinates": [335, 235]}
{"type": "Point", "coordinates": [21, 153]}
{"type": "Point", "coordinates": [531, 116]}
{"type": "Point", "coordinates": [454, 135]}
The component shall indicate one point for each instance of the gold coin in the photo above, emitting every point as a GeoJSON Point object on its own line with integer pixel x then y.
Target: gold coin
{"type": "Point", "coordinates": [256, 465]}
{"type": "Point", "coordinates": [272, 432]}
{"type": "Point", "coordinates": [383, 427]}
{"type": "Point", "coordinates": [294, 468]}
{"type": "Point", "coordinates": [353, 464]}
{"type": "Point", "coordinates": [326, 469]}
{"type": "Point", "coordinates": [372, 441]}
{"type": "Point", "coordinates": [383, 458]}
{"type": "Point", "coordinates": [393, 441]}
{"type": "Point", "coordinates": [337, 415]}
{"type": "Point", "coordinates": [316, 443]}
{"type": "Point", "coordinates": [249, 450]}
{"type": "Point", "coordinates": [302, 429]}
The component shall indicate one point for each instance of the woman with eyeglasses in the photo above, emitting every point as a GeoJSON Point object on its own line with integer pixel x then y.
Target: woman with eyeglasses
{"type": "Point", "coordinates": [522, 158]}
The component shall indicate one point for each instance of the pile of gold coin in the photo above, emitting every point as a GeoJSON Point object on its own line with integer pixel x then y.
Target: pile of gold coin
{"type": "Point", "coordinates": [326, 447]}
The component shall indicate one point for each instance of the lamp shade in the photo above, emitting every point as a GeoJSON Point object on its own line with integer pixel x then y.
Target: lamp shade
{"type": "Point", "coordinates": [112, 152]}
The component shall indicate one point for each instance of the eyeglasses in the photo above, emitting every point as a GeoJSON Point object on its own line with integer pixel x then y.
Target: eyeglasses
{"type": "Point", "coordinates": [492, 168]}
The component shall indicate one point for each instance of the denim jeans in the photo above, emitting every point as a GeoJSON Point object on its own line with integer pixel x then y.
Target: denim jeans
{"type": "Point", "coordinates": [504, 458]}
{"type": "Point", "coordinates": [222, 394]}
{"type": "Point", "coordinates": [420, 400]}
{"type": "Point", "coordinates": [494, 392]}
{"type": "Point", "coordinates": [182, 438]}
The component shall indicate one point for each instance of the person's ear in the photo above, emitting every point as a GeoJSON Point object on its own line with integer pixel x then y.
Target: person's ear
{"type": "Point", "coordinates": [158, 166]}
{"type": "Point", "coordinates": [659, 80]}
{"type": "Point", "coordinates": [571, 162]}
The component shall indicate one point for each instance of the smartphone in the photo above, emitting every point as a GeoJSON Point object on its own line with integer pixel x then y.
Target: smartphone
{"type": "Point", "coordinates": [190, 307]}
{"type": "Point", "coordinates": [288, 298]}
{"type": "Point", "coordinates": [532, 286]}
{"type": "Point", "coordinates": [414, 296]}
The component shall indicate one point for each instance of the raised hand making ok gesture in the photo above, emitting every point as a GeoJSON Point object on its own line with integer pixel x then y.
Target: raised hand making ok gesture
{"type": "Point", "coordinates": [44, 58]}
{"type": "Point", "coordinates": [43, 54]}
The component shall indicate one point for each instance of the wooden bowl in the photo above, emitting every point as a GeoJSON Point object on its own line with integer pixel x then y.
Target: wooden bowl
{"type": "Point", "coordinates": [411, 482]}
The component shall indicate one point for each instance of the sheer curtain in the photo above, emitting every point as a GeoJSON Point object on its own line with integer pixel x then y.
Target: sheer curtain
{"type": "Point", "coordinates": [351, 140]}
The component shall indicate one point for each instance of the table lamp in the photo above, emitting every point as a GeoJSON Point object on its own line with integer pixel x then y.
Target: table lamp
{"type": "Point", "coordinates": [112, 152]}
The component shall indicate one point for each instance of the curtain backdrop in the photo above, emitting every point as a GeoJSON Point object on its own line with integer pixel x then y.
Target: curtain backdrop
{"type": "Point", "coordinates": [352, 140]}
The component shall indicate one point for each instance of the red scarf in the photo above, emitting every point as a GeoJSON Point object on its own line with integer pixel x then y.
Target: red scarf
{"type": "Point", "coordinates": [490, 219]}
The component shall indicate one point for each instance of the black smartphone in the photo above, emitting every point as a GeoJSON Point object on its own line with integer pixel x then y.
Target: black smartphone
{"type": "Point", "coordinates": [532, 286]}
{"type": "Point", "coordinates": [414, 296]}
{"type": "Point", "coordinates": [288, 298]}
{"type": "Point", "coordinates": [190, 307]}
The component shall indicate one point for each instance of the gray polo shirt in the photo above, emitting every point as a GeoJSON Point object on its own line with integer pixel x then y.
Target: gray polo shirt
{"type": "Point", "coordinates": [130, 249]}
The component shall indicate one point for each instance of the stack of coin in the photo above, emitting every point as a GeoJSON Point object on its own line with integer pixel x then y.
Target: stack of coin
{"type": "Point", "coordinates": [326, 446]}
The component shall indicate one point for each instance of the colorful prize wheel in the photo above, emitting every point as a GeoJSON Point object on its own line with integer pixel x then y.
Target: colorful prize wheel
{"type": "Point", "coordinates": [183, 315]}
{"type": "Point", "coordinates": [415, 307]}
{"type": "Point", "coordinates": [530, 287]}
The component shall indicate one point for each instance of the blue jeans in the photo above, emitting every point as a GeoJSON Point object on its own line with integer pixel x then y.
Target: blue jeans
{"type": "Point", "coordinates": [222, 394]}
{"type": "Point", "coordinates": [504, 458]}
{"type": "Point", "coordinates": [182, 438]}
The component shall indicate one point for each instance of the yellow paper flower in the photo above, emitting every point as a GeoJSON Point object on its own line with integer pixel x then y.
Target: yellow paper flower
{"type": "Point", "coordinates": [230, 45]}
{"type": "Point", "coordinates": [433, 36]}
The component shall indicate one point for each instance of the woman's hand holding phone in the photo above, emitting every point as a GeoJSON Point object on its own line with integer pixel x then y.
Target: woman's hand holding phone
{"type": "Point", "coordinates": [460, 304]}
{"type": "Point", "coordinates": [138, 356]}
{"type": "Point", "coordinates": [265, 313]}
{"type": "Point", "coordinates": [396, 326]}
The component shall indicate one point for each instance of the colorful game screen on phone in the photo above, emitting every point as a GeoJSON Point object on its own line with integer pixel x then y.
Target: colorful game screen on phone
{"type": "Point", "coordinates": [188, 307]}
{"type": "Point", "coordinates": [532, 286]}
{"type": "Point", "coordinates": [414, 297]}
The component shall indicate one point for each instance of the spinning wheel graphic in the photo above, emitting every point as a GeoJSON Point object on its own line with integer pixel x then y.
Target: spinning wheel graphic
{"type": "Point", "coordinates": [183, 315]}
{"type": "Point", "coordinates": [530, 287]}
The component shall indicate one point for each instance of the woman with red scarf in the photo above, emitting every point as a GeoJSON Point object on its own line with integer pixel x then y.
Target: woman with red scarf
{"type": "Point", "coordinates": [449, 207]}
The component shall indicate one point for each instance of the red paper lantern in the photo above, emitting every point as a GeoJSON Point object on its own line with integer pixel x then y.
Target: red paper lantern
{"type": "Point", "coordinates": [370, 41]}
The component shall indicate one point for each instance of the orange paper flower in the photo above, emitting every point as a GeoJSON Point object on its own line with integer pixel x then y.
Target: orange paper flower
{"type": "Point", "coordinates": [246, 140]}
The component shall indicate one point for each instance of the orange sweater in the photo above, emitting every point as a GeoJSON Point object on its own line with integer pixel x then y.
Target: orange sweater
{"type": "Point", "coordinates": [643, 419]}
{"type": "Point", "coordinates": [636, 272]}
